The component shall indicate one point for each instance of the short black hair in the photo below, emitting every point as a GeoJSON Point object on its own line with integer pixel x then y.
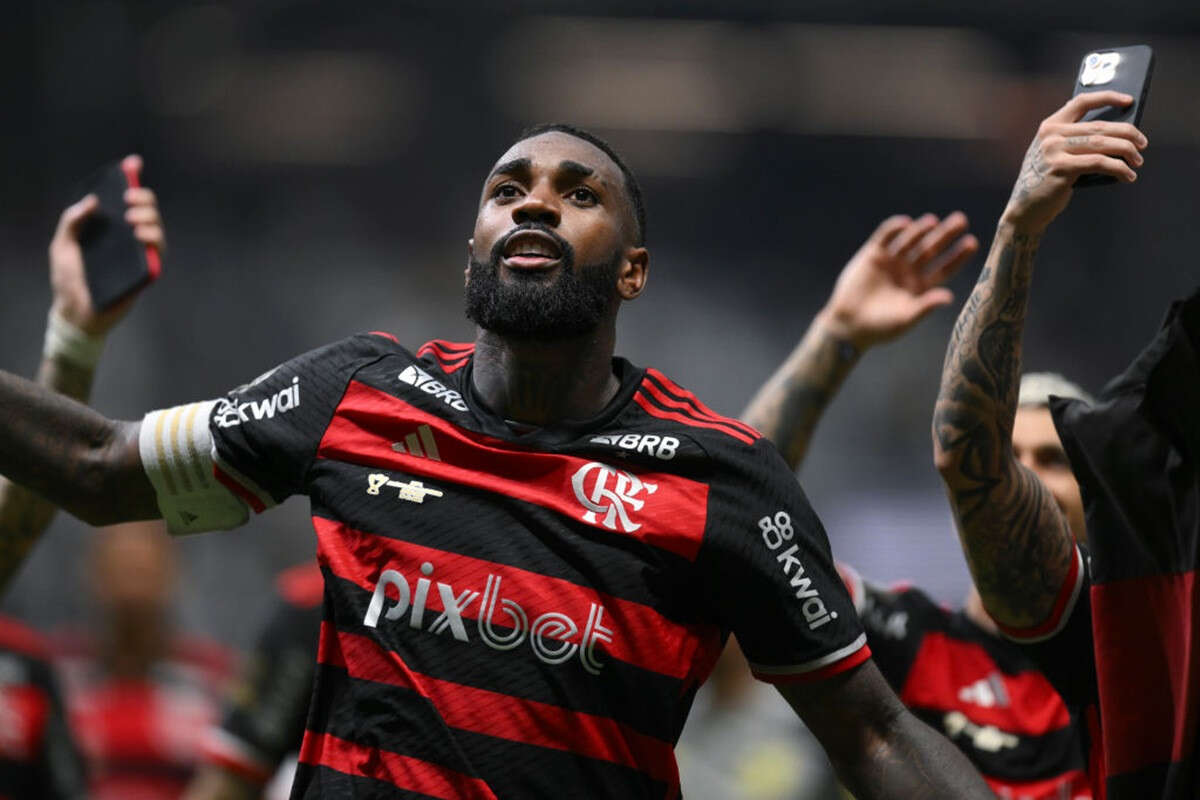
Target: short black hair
{"type": "Point", "coordinates": [632, 188]}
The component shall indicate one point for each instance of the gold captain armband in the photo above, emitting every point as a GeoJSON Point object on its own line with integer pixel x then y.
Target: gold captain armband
{"type": "Point", "coordinates": [177, 455]}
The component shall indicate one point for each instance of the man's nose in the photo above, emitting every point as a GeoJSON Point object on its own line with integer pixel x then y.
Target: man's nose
{"type": "Point", "coordinates": [537, 206]}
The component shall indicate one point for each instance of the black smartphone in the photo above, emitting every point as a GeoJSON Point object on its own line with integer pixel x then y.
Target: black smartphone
{"type": "Point", "coordinates": [1121, 69]}
{"type": "Point", "coordinates": [116, 262]}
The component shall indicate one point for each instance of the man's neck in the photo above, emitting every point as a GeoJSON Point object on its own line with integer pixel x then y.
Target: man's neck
{"type": "Point", "coordinates": [541, 383]}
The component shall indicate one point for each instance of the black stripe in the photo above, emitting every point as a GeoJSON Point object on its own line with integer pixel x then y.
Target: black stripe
{"type": "Point", "coordinates": [449, 347]}
{"type": "Point", "coordinates": [323, 783]}
{"type": "Point", "coordinates": [1035, 758]}
{"type": "Point", "coordinates": [399, 720]}
{"type": "Point", "coordinates": [646, 701]}
{"type": "Point", "coordinates": [511, 532]}
{"type": "Point", "coordinates": [722, 427]}
{"type": "Point", "coordinates": [1174, 780]}
{"type": "Point", "coordinates": [691, 403]}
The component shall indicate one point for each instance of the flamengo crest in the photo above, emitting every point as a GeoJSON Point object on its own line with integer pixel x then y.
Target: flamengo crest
{"type": "Point", "coordinates": [611, 492]}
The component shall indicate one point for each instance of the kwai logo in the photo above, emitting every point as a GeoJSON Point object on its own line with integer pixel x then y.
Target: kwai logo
{"type": "Point", "coordinates": [595, 492]}
{"type": "Point", "coordinates": [415, 376]}
{"type": "Point", "coordinates": [230, 413]}
{"type": "Point", "coordinates": [554, 637]}
{"type": "Point", "coordinates": [776, 530]}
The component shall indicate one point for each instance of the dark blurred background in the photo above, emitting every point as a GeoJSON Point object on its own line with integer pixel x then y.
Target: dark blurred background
{"type": "Point", "coordinates": [319, 165]}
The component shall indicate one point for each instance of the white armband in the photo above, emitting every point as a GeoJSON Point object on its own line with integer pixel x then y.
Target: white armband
{"type": "Point", "coordinates": [177, 454]}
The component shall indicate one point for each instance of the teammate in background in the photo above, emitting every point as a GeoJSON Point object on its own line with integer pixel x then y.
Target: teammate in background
{"type": "Point", "coordinates": [38, 756]}
{"type": "Point", "coordinates": [1018, 535]}
{"type": "Point", "coordinates": [141, 695]}
{"type": "Point", "coordinates": [532, 551]}
{"type": "Point", "coordinates": [267, 709]}
{"type": "Point", "coordinates": [952, 668]}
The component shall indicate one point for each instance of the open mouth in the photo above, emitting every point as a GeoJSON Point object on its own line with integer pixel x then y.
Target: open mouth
{"type": "Point", "coordinates": [531, 250]}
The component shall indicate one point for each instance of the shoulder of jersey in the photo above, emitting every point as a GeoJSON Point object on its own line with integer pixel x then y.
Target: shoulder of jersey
{"type": "Point", "coordinates": [668, 402]}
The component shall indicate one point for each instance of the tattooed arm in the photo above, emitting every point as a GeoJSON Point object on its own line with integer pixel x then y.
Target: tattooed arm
{"type": "Point", "coordinates": [66, 369]}
{"type": "Point", "coordinates": [1015, 538]}
{"type": "Point", "coordinates": [879, 749]}
{"type": "Point", "coordinates": [891, 283]}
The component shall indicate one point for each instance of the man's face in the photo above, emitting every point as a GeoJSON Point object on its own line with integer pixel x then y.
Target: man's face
{"type": "Point", "coordinates": [552, 252]}
{"type": "Point", "coordinates": [1037, 446]}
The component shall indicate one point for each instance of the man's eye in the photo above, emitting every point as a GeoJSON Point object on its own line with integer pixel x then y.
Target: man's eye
{"type": "Point", "coordinates": [583, 196]}
{"type": "Point", "coordinates": [506, 190]}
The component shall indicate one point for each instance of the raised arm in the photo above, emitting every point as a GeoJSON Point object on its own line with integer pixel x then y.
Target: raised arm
{"type": "Point", "coordinates": [1015, 538]}
{"type": "Point", "coordinates": [879, 749]}
{"type": "Point", "coordinates": [892, 282]}
{"type": "Point", "coordinates": [74, 338]}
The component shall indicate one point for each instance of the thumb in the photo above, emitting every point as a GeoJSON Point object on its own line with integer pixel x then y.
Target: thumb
{"type": "Point", "coordinates": [73, 217]}
{"type": "Point", "coordinates": [933, 298]}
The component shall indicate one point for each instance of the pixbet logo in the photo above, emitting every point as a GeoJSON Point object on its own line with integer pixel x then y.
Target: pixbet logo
{"type": "Point", "coordinates": [230, 413]}
{"type": "Point", "coordinates": [776, 530]}
{"type": "Point", "coordinates": [606, 490]}
{"type": "Point", "coordinates": [415, 376]}
{"type": "Point", "coordinates": [554, 637]}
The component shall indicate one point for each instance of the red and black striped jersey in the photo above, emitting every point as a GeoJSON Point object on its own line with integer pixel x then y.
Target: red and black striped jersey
{"type": "Point", "coordinates": [522, 614]}
{"type": "Point", "coordinates": [38, 757]}
{"type": "Point", "coordinates": [982, 692]}
{"type": "Point", "coordinates": [266, 711]}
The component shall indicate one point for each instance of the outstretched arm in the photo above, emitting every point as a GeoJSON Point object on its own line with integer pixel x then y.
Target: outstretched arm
{"type": "Point", "coordinates": [878, 748]}
{"type": "Point", "coordinates": [892, 282]}
{"type": "Point", "coordinates": [1016, 539]}
{"type": "Point", "coordinates": [75, 335]}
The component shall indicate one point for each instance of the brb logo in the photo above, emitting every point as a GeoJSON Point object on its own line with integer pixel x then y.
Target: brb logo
{"type": "Point", "coordinates": [554, 636]}
{"type": "Point", "coordinates": [611, 492]}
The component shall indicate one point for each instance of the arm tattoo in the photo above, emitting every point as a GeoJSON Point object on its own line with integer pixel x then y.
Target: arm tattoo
{"type": "Point", "coordinates": [788, 406]}
{"type": "Point", "coordinates": [1015, 538]}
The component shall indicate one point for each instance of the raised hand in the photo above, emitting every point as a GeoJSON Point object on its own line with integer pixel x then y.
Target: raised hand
{"type": "Point", "coordinates": [896, 277]}
{"type": "Point", "coordinates": [72, 300]}
{"type": "Point", "coordinates": [1065, 149]}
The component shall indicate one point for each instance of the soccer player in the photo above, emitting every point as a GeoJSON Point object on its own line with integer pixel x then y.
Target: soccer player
{"type": "Point", "coordinates": [532, 550]}
{"type": "Point", "coordinates": [1019, 537]}
{"type": "Point", "coordinates": [951, 667]}
{"type": "Point", "coordinates": [264, 723]}
{"type": "Point", "coordinates": [38, 755]}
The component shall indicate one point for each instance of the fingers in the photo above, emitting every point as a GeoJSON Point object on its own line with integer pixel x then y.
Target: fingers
{"type": "Point", "coordinates": [1106, 145]}
{"type": "Point", "coordinates": [75, 215]}
{"type": "Point", "coordinates": [1098, 127]}
{"type": "Point", "coordinates": [1073, 165]}
{"type": "Point", "coordinates": [910, 235]}
{"type": "Point", "coordinates": [889, 229]}
{"type": "Point", "coordinates": [938, 239]}
{"type": "Point", "coordinates": [933, 298]}
{"type": "Point", "coordinates": [1080, 104]}
{"type": "Point", "coordinates": [144, 216]}
{"type": "Point", "coordinates": [952, 260]}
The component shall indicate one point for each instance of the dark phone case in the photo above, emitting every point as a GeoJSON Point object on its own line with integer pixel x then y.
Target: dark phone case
{"type": "Point", "coordinates": [1132, 78]}
{"type": "Point", "coordinates": [116, 263]}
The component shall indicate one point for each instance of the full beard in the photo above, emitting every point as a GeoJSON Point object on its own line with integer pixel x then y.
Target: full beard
{"type": "Point", "coordinates": [569, 304]}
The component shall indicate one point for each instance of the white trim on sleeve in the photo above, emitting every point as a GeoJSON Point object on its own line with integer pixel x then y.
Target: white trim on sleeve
{"type": "Point", "coordinates": [816, 663]}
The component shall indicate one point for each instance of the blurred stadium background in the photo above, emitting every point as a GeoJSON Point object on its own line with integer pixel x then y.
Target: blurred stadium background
{"type": "Point", "coordinates": [319, 164]}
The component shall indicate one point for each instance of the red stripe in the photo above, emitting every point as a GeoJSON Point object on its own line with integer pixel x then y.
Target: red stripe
{"type": "Point", "coordinates": [214, 751]}
{"type": "Point", "coordinates": [451, 356]}
{"type": "Point", "coordinates": [640, 635]}
{"type": "Point", "coordinates": [672, 515]}
{"type": "Point", "coordinates": [701, 410]}
{"type": "Point", "coordinates": [1148, 669]}
{"type": "Point", "coordinates": [828, 671]}
{"type": "Point", "coordinates": [453, 348]}
{"type": "Point", "coordinates": [15, 636]}
{"type": "Point", "coordinates": [671, 403]}
{"type": "Point", "coordinates": [403, 772]}
{"type": "Point", "coordinates": [661, 413]}
{"type": "Point", "coordinates": [1065, 593]}
{"type": "Point", "coordinates": [385, 335]}
{"type": "Point", "coordinates": [234, 486]}
{"type": "Point", "coordinates": [1072, 784]}
{"type": "Point", "coordinates": [505, 717]}
{"type": "Point", "coordinates": [302, 585]}
{"type": "Point", "coordinates": [945, 666]}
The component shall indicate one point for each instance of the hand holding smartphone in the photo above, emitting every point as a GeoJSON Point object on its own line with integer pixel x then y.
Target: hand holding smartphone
{"type": "Point", "coordinates": [117, 264]}
{"type": "Point", "coordinates": [1121, 69]}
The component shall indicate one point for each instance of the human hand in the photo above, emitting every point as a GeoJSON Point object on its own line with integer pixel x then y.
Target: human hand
{"type": "Point", "coordinates": [1065, 149]}
{"type": "Point", "coordinates": [895, 279]}
{"type": "Point", "coordinates": [72, 300]}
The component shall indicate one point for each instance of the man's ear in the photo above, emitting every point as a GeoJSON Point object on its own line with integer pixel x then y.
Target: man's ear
{"type": "Point", "coordinates": [635, 270]}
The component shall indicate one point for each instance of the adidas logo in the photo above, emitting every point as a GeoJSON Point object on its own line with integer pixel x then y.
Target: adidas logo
{"type": "Point", "coordinates": [986, 692]}
{"type": "Point", "coordinates": [420, 444]}
{"type": "Point", "coordinates": [419, 378]}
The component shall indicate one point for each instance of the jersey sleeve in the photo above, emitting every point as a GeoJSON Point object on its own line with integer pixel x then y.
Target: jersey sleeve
{"type": "Point", "coordinates": [59, 762]}
{"type": "Point", "coordinates": [213, 462]}
{"type": "Point", "coordinates": [892, 620]}
{"type": "Point", "coordinates": [266, 715]}
{"type": "Point", "coordinates": [770, 575]}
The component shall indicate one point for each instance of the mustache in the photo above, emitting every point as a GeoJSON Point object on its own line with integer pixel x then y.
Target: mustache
{"type": "Point", "coordinates": [564, 247]}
